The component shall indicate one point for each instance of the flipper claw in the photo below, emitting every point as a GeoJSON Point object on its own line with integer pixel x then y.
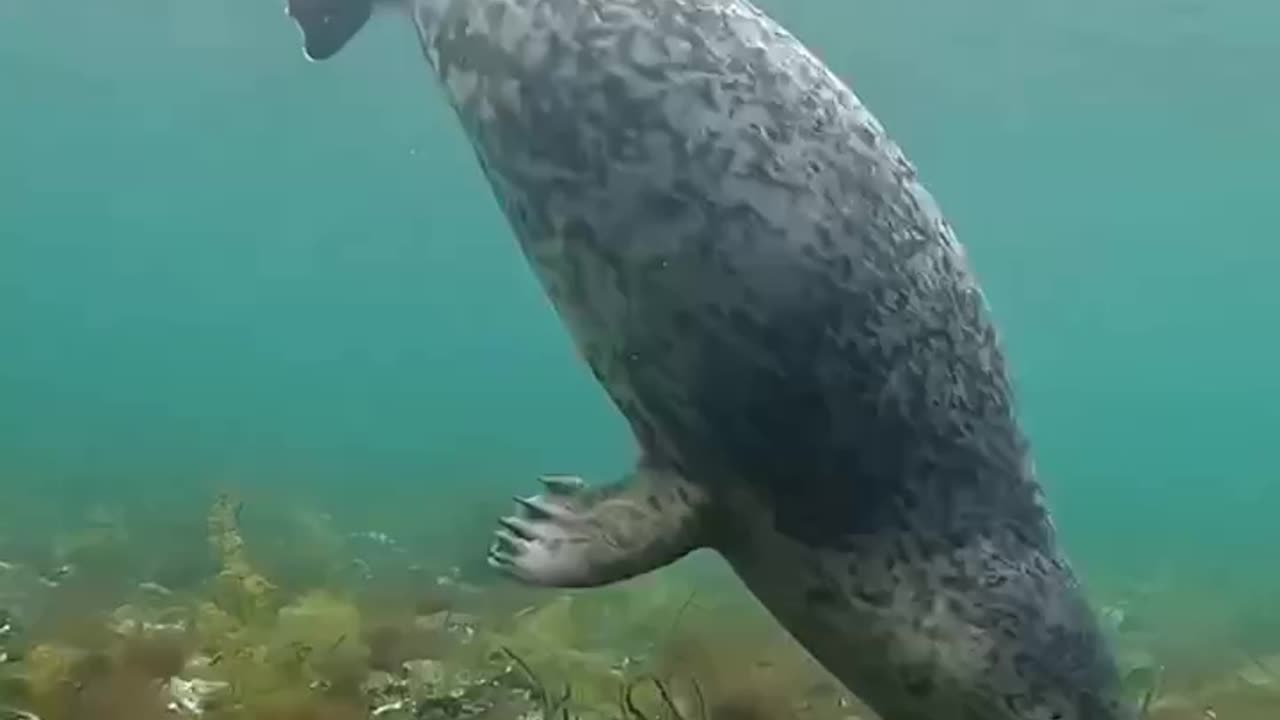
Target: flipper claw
{"type": "Point", "coordinates": [539, 509]}
{"type": "Point", "coordinates": [519, 527]}
{"type": "Point", "coordinates": [563, 484]}
{"type": "Point", "coordinates": [500, 561]}
{"type": "Point", "coordinates": [509, 541]}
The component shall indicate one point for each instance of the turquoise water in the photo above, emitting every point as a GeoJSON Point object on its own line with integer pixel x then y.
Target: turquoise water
{"type": "Point", "coordinates": [220, 264]}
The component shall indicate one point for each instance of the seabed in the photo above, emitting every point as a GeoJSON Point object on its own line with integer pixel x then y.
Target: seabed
{"type": "Point", "coordinates": [303, 621]}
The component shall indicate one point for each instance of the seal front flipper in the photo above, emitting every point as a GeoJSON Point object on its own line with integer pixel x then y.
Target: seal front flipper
{"type": "Point", "coordinates": [327, 25]}
{"type": "Point", "coordinates": [575, 536]}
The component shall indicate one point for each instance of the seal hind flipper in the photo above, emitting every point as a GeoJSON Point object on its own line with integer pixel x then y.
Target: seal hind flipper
{"type": "Point", "coordinates": [575, 536]}
{"type": "Point", "coordinates": [327, 25]}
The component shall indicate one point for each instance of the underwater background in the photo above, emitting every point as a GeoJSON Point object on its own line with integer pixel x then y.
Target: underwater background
{"type": "Point", "coordinates": [226, 270]}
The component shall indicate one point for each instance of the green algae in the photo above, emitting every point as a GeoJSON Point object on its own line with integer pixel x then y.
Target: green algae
{"type": "Point", "coordinates": [239, 644]}
{"type": "Point", "coordinates": [240, 589]}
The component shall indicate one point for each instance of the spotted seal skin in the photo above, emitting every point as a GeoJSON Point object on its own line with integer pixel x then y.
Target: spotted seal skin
{"type": "Point", "coordinates": [756, 276]}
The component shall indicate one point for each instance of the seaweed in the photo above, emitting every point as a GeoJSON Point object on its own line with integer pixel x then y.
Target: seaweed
{"type": "Point", "coordinates": [670, 710]}
{"type": "Point", "coordinates": [241, 590]}
{"type": "Point", "coordinates": [262, 634]}
{"type": "Point", "coordinates": [550, 706]}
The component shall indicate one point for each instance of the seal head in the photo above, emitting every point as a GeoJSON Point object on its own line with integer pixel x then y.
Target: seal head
{"type": "Point", "coordinates": [328, 25]}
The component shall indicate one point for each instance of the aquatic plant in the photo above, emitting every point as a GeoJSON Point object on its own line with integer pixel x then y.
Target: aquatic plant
{"type": "Point", "coordinates": [240, 644]}
{"type": "Point", "coordinates": [48, 674]}
{"type": "Point", "coordinates": [393, 642]}
{"type": "Point", "coordinates": [63, 683]}
{"type": "Point", "coordinates": [154, 651]}
{"type": "Point", "coordinates": [669, 709]}
{"type": "Point", "coordinates": [551, 706]}
{"type": "Point", "coordinates": [241, 590]}
{"type": "Point", "coordinates": [320, 634]}
{"type": "Point", "coordinates": [548, 636]}
{"type": "Point", "coordinates": [253, 649]}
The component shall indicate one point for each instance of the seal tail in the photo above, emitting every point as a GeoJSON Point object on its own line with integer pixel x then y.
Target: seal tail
{"type": "Point", "coordinates": [327, 25]}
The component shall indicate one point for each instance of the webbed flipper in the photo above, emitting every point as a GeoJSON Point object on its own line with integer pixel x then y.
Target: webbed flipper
{"type": "Point", "coordinates": [575, 536]}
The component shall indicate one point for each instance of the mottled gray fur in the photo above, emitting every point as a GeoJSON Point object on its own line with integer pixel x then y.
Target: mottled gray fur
{"type": "Point", "coordinates": [756, 276]}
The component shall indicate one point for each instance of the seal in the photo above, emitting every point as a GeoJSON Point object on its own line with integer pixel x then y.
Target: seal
{"type": "Point", "coordinates": [756, 276]}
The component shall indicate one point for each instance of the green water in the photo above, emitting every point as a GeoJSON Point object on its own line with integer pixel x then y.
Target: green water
{"type": "Point", "coordinates": [220, 264]}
